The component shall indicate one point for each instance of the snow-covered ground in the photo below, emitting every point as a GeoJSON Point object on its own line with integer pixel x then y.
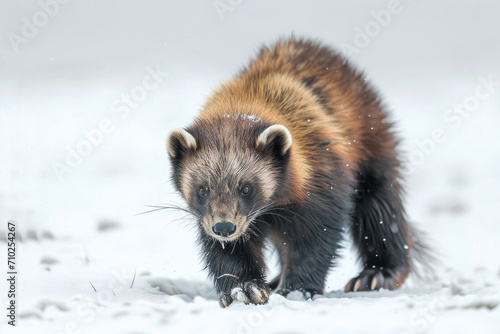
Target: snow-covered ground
{"type": "Point", "coordinates": [89, 93]}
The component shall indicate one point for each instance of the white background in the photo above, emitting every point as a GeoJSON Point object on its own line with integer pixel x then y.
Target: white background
{"type": "Point", "coordinates": [71, 71]}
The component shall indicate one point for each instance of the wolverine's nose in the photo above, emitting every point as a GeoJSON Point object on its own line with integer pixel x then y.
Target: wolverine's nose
{"type": "Point", "coordinates": [224, 229]}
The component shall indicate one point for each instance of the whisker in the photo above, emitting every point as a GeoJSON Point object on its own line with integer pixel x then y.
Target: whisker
{"type": "Point", "coordinates": [149, 211]}
{"type": "Point", "coordinates": [168, 207]}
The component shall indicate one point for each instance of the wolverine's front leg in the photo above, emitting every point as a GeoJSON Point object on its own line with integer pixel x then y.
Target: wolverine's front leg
{"type": "Point", "coordinates": [305, 267]}
{"type": "Point", "coordinates": [308, 238]}
{"type": "Point", "coordinates": [238, 270]}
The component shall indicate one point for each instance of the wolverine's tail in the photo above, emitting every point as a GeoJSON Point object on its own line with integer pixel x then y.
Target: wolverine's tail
{"type": "Point", "coordinates": [423, 258]}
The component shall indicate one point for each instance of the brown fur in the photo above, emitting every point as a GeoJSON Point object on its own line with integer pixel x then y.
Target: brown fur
{"type": "Point", "coordinates": [339, 166]}
{"type": "Point", "coordinates": [340, 108]}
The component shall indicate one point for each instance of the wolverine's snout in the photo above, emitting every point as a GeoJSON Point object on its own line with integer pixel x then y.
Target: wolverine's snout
{"type": "Point", "coordinates": [224, 229]}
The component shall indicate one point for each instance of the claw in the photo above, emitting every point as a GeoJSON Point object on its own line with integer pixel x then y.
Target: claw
{"type": "Point", "coordinates": [225, 300]}
{"type": "Point", "coordinates": [374, 283]}
{"type": "Point", "coordinates": [357, 285]}
{"type": "Point", "coordinates": [348, 287]}
{"type": "Point", "coordinates": [256, 294]}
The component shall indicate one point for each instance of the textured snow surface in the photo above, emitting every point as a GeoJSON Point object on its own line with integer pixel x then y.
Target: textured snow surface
{"type": "Point", "coordinates": [112, 79]}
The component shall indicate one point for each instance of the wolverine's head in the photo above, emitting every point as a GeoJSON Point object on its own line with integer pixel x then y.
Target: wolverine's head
{"type": "Point", "coordinates": [229, 170]}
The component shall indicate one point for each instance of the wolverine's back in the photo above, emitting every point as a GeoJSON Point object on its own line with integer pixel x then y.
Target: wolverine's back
{"type": "Point", "coordinates": [317, 95]}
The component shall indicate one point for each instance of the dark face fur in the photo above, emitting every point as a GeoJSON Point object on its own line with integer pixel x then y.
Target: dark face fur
{"type": "Point", "coordinates": [229, 171]}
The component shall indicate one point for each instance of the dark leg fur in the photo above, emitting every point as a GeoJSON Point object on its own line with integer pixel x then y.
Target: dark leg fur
{"type": "Point", "coordinates": [308, 240]}
{"type": "Point", "coordinates": [237, 265]}
{"type": "Point", "coordinates": [274, 283]}
{"type": "Point", "coordinates": [306, 267]}
{"type": "Point", "coordinates": [380, 230]}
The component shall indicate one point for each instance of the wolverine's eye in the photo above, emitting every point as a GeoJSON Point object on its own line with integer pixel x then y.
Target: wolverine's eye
{"type": "Point", "coordinates": [202, 192]}
{"type": "Point", "coordinates": [246, 190]}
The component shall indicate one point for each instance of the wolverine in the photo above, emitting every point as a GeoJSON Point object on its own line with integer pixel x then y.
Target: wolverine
{"type": "Point", "coordinates": [296, 151]}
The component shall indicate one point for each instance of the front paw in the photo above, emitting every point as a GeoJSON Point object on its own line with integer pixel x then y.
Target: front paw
{"type": "Point", "coordinates": [248, 292]}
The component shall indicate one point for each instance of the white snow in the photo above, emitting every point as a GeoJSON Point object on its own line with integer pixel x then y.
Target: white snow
{"type": "Point", "coordinates": [111, 79]}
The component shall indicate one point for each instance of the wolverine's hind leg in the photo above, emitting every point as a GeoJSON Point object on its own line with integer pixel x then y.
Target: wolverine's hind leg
{"type": "Point", "coordinates": [380, 230]}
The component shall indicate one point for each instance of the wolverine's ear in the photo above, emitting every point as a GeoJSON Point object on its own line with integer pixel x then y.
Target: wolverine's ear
{"type": "Point", "coordinates": [277, 136]}
{"type": "Point", "coordinates": [180, 140]}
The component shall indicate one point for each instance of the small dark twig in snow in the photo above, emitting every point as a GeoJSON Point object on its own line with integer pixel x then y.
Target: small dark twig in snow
{"type": "Point", "coordinates": [133, 280]}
